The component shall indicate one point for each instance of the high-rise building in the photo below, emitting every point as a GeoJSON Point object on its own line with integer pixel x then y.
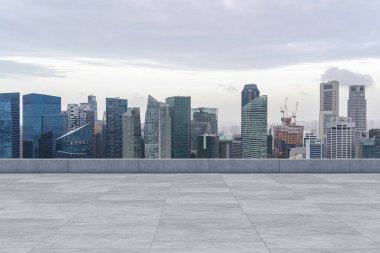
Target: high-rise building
{"type": "Point", "coordinates": [254, 115]}
{"type": "Point", "coordinates": [314, 149]}
{"type": "Point", "coordinates": [132, 142]}
{"type": "Point", "coordinates": [203, 121]}
{"type": "Point", "coordinates": [236, 147]}
{"type": "Point", "coordinates": [286, 136]}
{"type": "Point", "coordinates": [93, 105]}
{"type": "Point", "coordinates": [100, 138]}
{"type": "Point", "coordinates": [180, 126]}
{"type": "Point", "coordinates": [374, 132]}
{"type": "Point", "coordinates": [225, 148]}
{"type": "Point", "coordinates": [115, 108]}
{"type": "Point", "coordinates": [249, 92]}
{"type": "Point", "coordinates": [309, 136]}
{"type": "Point", "coordinates": [340, 138]}
{"type": "Point", "coordinates": [357, 111]}
{"type": "Point", "coordinates": [157, 130]}
{"type": "Point", "coordinates": [9, 125]}
{"type": "Point", "coordinates": [42, 124]}
{"type": "Point", "coordinates": [73, 117]}
{"type": "Point", "coordinates": [371, 147]}
{"type": "Point", "coordinates": [208, 146]}
{"type": "Point", "coordinates": [76, 143]}
{"type": "Point", "coordinates": [329, 105]}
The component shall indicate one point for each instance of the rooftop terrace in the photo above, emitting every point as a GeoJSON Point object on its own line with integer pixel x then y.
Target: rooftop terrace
{"type": "Point", "coordinates": [135, 213]}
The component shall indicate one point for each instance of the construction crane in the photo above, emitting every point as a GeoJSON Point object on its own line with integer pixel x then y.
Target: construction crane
{"type": "Point", "coordinates": [294, 114]}
{"type": "Point", "coordinates": [284, 110]}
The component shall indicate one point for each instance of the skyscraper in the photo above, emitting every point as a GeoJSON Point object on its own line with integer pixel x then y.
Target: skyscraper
{"type": "Point", "coordinates": [340, 138]}
{"type": "Point", "coordinates": [203, 121]}
{"type": "Point", "coordinates": [115, 108]}
{"type": "Point", "coordinates": [357, 111]}
{"type": "Point", "coordinates": [93, 105]}
{"type": "Point", "coordinates": [42, 124]}
{"type": "Point", "coordinates": [180, 126]}
{"type": "Point", "coordinates": [9, 125]}
{"type": "Point", "coordinates": [76, 143]}
{"type": "Point", "coordinates": [73, 117]}
{"type": "Point", "coordinates": [132, 142]}
{"type": "Point", "coordinates": [208, 146]}
{"type": "Point", "coordinates": [157, 130]}
{"type": "Point", "coordinates": [254, 114]}
{"type": "Point", "coordinates": [329, 105]}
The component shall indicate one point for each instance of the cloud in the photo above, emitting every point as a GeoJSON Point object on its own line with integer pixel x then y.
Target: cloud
{"type": "Point", "coordinates": [16, 69]}
{"type": "Point", "coordinates": [346, 77]}
{"type": "Point", "coordinates": [228, 87]}
{"type": "Point", "coordinates": [222, 34]}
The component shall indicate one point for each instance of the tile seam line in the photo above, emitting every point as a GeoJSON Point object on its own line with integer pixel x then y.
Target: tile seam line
{"type": "Point", "coordinates": [162, 212]}
{"type": "Point", "coordinates": [253, 226]}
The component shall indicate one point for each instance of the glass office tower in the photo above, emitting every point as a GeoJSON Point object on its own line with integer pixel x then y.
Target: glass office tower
{"type": "Point", "coordinates": [115, 108]}
{"type": "Point", "coordinates": [254, 128]}
{"type": "Point", "coordinates": [9, 125]}
{"type": "Point", "coordinates": [76, 143]}
{"type": "Point", "coordinates": [42, 124]}
{"type": "Point", "coordinates": [180, 108]}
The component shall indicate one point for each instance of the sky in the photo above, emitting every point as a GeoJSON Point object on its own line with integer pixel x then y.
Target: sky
{"type": "Point", "coordinates": [204, 49]}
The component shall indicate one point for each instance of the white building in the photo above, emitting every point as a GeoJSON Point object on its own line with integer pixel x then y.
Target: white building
{"type": "Point", "coordinates": [340, 138]}
{"type": "Point", "coordinates": [329, 105]}
{"type": "Point", "coordinates": [157, 130]}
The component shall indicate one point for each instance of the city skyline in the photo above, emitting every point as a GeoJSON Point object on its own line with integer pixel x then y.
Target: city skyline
{"type": "Point", "coordinates": [133, 48]}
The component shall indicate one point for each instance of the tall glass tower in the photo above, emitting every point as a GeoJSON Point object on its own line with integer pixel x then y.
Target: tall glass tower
{"type": "Point", "coordinates": [180, 108]}
{"type": "Point", "coordinates": [132, 142]}
{"type": "Point", "coordinates": [9, 125]}
{"type": "Point", "coordinates": [254, 116]}
{"type": "Point", "coordinates": [115, 108]}
{"type": "Point", "coordinates": [43, 123]}
{"type": "Point", "coordinates": [157, 130]}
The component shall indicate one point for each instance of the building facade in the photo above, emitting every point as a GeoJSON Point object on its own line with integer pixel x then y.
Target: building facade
{"type": "Point", "coordinates": [42, 124]}
{"type": "Point", "coordinates": [357, 111]}
{"type": "Point", "coordinates": [285, 137]}
{"type": "Point", "coordinates": [371, 148]}
{"type": "Point", "coordinates": [132, 142]}
{"type": "Point", "coordinates": [236, 147]}
{"type": "Point", "coordinates": [157, 130]}
{"type": "Point", "coordinates": [329, 105]}
{"type": "Point", "coordinates": [180, 108]}
{"type": "Point", "coordinates": [208, 146]}
{"type": "Point", "coordinates": [115, 108]}
{"type": "Point", "coordinates": [10, 125]}
{"type": "Point", "coordinates": [314, 149]}
{"type": "Point", "coordinates": [254, 115]}
{"type": "Point", "coordinates": [225, 148]}
{"type": "Point", "coordinates": [340, 138]}
{"type": "Point", "coordinates": [203, 121]}
{"type": "Point", "coordinates": [76, 143]}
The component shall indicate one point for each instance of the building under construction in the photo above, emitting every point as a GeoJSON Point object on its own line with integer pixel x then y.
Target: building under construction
{"type": "Point", "coordinates": [287, 135]}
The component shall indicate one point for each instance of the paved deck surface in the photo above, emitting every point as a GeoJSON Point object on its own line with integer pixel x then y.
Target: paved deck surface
{"type": "Point", "coordinates": [164, 213]}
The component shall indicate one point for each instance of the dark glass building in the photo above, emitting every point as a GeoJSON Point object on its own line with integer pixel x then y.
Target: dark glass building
{"type": "Point", "coordinates": [180, 108]}
{"type": "Point", "coordinates": [9, 125]}
{"type": "Point", "coordinates": [115, 108]}
{"type": "Point", "coordinates": [249, 92]}
{"type": "Point", "coordinates": [371, 147]}
{"type": "Point", "coordinates": [76, 143]}
{"type": "Point", "coordinates": [225, 149]}
{"type": "Point", "coordinates": [43, 123]}
{"type": "Point", "coordinates": [208, 146]}
{"type": "Point", "coordinates": [203, 121]}
{"type": "Point", "coordinates": [132, 141]}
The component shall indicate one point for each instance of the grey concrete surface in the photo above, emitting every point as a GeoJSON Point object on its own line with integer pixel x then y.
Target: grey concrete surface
{"type": "Point", "coordinates": [188, 213]}
{"type": "Point", "coordinates": [189, 166]}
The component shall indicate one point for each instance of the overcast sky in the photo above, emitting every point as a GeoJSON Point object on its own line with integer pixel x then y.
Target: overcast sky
{"type": "Point", "coordinates": [205, 49]}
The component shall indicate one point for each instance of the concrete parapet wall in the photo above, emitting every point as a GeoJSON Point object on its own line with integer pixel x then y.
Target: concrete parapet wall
{"type": "Point", "coordinates": [188, 166]}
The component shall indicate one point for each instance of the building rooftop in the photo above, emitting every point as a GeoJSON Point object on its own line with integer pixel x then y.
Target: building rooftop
{"type": "Point", "coordinates": [41, 213]}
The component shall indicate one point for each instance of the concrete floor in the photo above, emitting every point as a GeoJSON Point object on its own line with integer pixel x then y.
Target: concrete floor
{"type": "Point", "coordinates": [162, 213]}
